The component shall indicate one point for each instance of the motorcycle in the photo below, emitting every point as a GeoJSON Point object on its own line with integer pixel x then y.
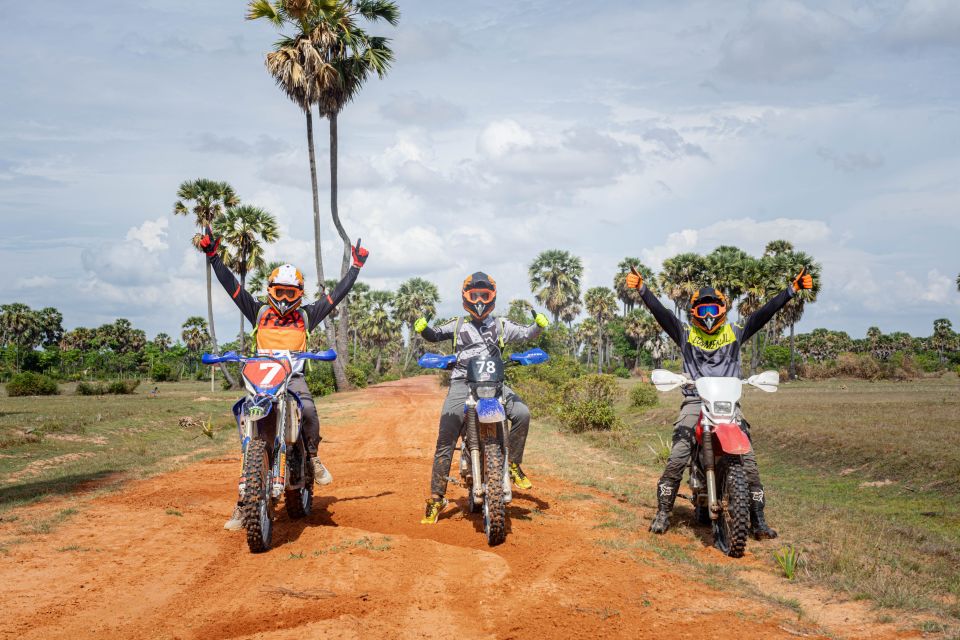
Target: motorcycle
{"type": "Point", "coordinates": [275, 460]}
{"type": "Point", "coordinates": [486, 436]}
{"type": "Point", "coordinates": [718, 484]}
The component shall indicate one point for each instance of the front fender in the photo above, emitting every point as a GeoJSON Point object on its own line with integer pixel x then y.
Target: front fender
{"type": "Point", "coordinates": [733, 441]}
{"type": "Point", "coordinates": [490, 410]}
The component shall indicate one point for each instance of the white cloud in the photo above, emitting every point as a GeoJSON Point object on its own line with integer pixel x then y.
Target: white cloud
{"type": "Point", "coordinates": [35, 282]}
{"type": "Point", "coordinates": [151, 234]}
{"type": "Point", "coordinates": [503, 136]}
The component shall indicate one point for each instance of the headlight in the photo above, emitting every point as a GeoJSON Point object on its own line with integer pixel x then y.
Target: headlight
{"type": "Point", "coordinates": [486, 391]}
{"type": "Point", "coordinates": [725, 408]}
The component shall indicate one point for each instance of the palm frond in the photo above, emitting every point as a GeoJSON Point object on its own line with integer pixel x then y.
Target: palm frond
{"type": "Point", "coordinates": [262, 9]}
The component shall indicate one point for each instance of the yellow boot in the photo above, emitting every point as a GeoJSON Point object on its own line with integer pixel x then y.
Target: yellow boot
{"type": "Point", "coordinates": [520, 479]}
{"type": "Point", "coordinates": [434, 507]}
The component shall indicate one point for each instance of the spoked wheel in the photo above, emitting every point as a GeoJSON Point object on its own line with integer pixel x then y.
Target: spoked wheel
{"type": "Point", "coordinates": [257, 505]}
{"type": "Point", "coordinates": [299, 502]}
{"type": "Point", "coordinates": [494, 509]}
{"type": "Point", "coordinates": [732, 526]}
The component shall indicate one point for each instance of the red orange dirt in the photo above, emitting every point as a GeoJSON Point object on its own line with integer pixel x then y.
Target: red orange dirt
{"type": "Point", "coordinates": [361, 566]}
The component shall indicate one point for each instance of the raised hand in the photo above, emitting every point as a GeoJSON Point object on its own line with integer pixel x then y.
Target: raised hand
{"type": "Point", "coordinates": [420, 325]}
{"type": "Point", "coordinates": [634, 278]}
{"type": "Point", "coordinates": [803, 280]}
{"type": "Point", "coordinates": [360, 254]}
{"type": "Point", "coordinates": [209, 243]}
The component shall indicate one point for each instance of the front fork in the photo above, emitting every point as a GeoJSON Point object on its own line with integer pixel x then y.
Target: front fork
{"type": "Point", "coordinates": [477, 433]}
{"type": "Point", "coordinates": [249, 430]}
{"type": "Point", "coordinates": [709, 466]}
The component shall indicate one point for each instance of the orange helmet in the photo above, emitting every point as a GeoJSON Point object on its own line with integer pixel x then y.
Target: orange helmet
{"type": "Point", "coordinates": [708, 309]}
{"type": "Point", "coordinates": [479, 295]}
{"type": "Point", "coordinates": [285, 288]}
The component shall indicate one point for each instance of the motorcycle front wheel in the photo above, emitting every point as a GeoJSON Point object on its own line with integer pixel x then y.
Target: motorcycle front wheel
{"type": "Point", "coordinates": [731, 528]}
{"type": "Point", "coordinates": [494, 508]}
{"type": "Point", "coordinates": [257, 505]}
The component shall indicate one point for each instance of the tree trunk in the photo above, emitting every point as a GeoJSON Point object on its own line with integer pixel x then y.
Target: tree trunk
{"type": "Point", "coordinates": [213, 333]}
{"type": "Point", "coordinates": [341, 335]}
{"type": "Point", "coordinates": [243, 285]}
{"type": "Point", "coordinates": [376, 367]}
{"type": "Point", "coordinates": [793, 366]}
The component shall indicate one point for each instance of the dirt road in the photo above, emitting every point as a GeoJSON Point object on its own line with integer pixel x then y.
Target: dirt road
{"type": "Point", "coordinates": [152, 561]}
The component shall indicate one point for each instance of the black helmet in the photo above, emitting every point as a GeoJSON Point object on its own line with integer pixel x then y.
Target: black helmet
{"type": "Point", "coordinates": [479, 295]}
{"type": "Point", "coordinates": [708, 309]}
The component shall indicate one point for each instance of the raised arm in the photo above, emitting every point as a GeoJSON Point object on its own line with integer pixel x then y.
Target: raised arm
{"type": "Point", "coordinates": [248, 305]}
{"type": "Point", "coordinates": [669, 322]}
{"type": "Point", "coordinates": [435, 334]}
{"type": "Point", "coordinates": [513, 332]}
{"type": "Point", "coordinates": [317, 311]}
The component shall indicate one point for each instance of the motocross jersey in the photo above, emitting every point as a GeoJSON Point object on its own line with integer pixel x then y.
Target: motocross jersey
{"type": "Point", "coordinates": [287, 332]}
{"type": "Point", "coordinates": [479, 338]}
{"type": "Point", "coordinates": [712, 354]}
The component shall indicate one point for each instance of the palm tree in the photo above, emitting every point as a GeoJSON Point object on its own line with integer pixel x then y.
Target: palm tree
{"type": "Point", "coordinates": [724, 267]}
{"type": "Point", "coordinates": [194, 334]}
{"type": "Point", "coordinates": [586, 335]}
{"type": "Point", "coordinates": [555, 280]}
{"type": "Point", "coordinates": [206, 200]}
{"type": "Point", "coordinates": [520, 311]}
{"type": "Point", "coordinates": [358, 300]}
{"type": "Point", "coordinates": [378, 328]}
{"type": "Point", "coordinates": [787, 265]}
{"type": "Point", "coordinates": [681, 276]}
{"type": "Point", "coordinates": [245, 229]}
{"type": "Point", "coordinates": [415, 298]}
{"type": "Point", "coordinates": [49, 326]}
{"type": "Point", "coordinates": [162, 341]}
{"type": "Point", "coordinates": [775, 248]}
{"type": "Point", "coordinates": [943, 338]}
{"type": "Point", "coordinates": [601, 304]}
{"type": "Point", "coordinates": [759, 279]}
{"type": "Point", "coordinates": [20, 327]}
{"type": "Point", "coordinates": [631, 297]}
{"type": "Point", "coordinates": [642, 328]}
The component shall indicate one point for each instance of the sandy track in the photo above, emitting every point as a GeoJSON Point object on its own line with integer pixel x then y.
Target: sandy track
{"type": "Point", "coordinates": [361, 566]}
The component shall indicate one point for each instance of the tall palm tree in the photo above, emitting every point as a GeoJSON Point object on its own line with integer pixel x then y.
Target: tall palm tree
{"type": "Point", "coordinates": [787, 265]}
{"type": "Point", "coordinates": [775, 248]}
{"type": "Point", "coordinates": [681, 276]}
{"type": "Point", "coordinates": [631, 297]}
{"type": "Point", "coordinates": [520, 311]}
{"type": "Point", "coordinates": [206, 200]}
{"type": "Point", "coordinates": [379, 328]}
{"type": "Point", "coordinates": [641, 327]}
{"type": "Point", "coordinates": [724, 270]}
{"type": "Point", "coordinates": [601, 304]}
{"type": "Point", "coordinates": [162, 341]}
{"type": "Point", "coordinates": [20, 327]}
{"type": "Point", "coordinates": [586, 335]}
{"type": "Point", "coordinates": [555, 280]}
{"type": "Point", "coordinates": [415, 298]}
{"type": "Point", "coordinates": [245, 229]}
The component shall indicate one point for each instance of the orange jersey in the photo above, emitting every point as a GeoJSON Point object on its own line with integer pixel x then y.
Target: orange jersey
{"type": "Point", "coordinates": [281, 333]}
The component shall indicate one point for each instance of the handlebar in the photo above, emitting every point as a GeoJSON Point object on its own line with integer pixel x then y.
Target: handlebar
{"type": "Point", "coordinates": [233, 356]}
{"type": "Point", "coordinates": [439, 361]}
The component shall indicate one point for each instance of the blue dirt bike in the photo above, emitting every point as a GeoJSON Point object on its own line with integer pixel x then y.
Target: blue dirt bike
{"type": "Point", "coordinates": [275, 458]}
{"type": "Point", "coordinates": [485, 436]}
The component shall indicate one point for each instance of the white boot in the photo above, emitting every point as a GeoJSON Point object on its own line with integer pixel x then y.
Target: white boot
{"type": "Point", "coordinates": [320, 474]}
{"type": "Point", "coordinates": [235, 523]}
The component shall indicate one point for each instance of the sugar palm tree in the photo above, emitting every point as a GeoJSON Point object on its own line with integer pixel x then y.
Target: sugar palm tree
{"type": "Point", "coordinates": [586, 335]}
{"type": "Point", "coordinates": [20, 327]}
{"type": "Point", "coordinates": [162, 341]}
{"type": "Point", "coordinates": [359, 302]}
{"type": "Point", "coordinates": [631, 297]}
{"type": "Point", "coordinates": [415, 298]}
{"type": "Point", "coordinates": [601, 304]}
{"type": "Point", "coordinates": [777, 247]}
{"type": "Point", "coordinates": [379, 328]}
{"type": "Point", "coordinates": [681, 276]}
{"type": "Point", "coordinates": [786, 266]}
{"type": "Point", "coordinates": [206, 200]}
{"type": "Point", "coordinates": [724, 269]}
{"type": "Point", "coordinates": [245, 229]}
{"type": "Point", "coordinates": [555, 280]}
{"type": "Point", "coordinates": [195, 335]}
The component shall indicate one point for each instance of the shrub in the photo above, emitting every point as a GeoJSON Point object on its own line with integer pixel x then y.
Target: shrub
{"type": "Point", "coordinates": [776, 356]}
{"type": "Point", "coordinates": [90, 389]}
{"type": "Point", "coordinates": [161, 372]}
{"type": "Point", "coordinates": [644, 396]}
{"type": "Point", "coordinates": [541, 397]}
{"type": "Point", "coordinates": [123, 387]}
{"type": "Point", "coordinates": [320, 380]}
{"type": "Point", "coordinates": [357, 375]}
{"type": "Point", "coordinates": [118, 387]}
{"type": "Point", "coordinates": [32, 384]}
{"type": "Point", "coordinates": [587, 403]}
{"type": "Point", "coordinates": [621, 372]}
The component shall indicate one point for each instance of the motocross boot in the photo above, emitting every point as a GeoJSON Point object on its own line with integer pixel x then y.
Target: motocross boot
{"type": "Point", "coordinates": [320, 474]}
{"type": "Point", "coordinates": [758, 524]}
{"type": "Point", "coordinates": [666, 494]}
{"type": "Point", "coordinates": [434, 507]}
{"type": "Point", "coordinates": [235, 523]}
{"type": "Point", "coordinates": [519, 478]}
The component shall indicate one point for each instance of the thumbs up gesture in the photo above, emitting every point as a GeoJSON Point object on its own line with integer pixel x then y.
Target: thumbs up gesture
{"type": "Point", "coordinates": [634, 278]}
{"type": "Point", "coordinates": [803, 280]}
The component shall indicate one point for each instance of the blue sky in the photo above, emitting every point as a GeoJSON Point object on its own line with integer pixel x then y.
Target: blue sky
{"type": "Point", "coordinates": [607, 129]}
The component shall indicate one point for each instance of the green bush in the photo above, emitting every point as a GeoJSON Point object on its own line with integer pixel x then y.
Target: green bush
{"type": "Point", "coordinates": [32, 384]}
{"type": "Point", "coordinates": [541, 397]}
{"type": "Point", "coordinates": [644, 396]}
{"type": "Point", "coordinates": [776, 357]}
{"type": "Point", "coordinates": [117, 387]}
{"type": "Point", "coordinates": [587, 403]}
{"type": "Point", "coordinates": [161, 372]}
{"type": "Point", "coordinates": [621, 372]}
{"type": "Point", "coordinates": [929, 361]}
{"type": "Point", "coordinates": [320, 380]}
{"type": "Point", "coordinates": [89, 389]}
{"type": "Point", "coordinates": [357, 375]}
{"type": "Point", "coordinates": [122, 387]}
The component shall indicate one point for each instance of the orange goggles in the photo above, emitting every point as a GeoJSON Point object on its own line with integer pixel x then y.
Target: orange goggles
{"type": "Point", "coordinates": [286, 293]}
{"type": "Point", "coordinates": [475, 296]}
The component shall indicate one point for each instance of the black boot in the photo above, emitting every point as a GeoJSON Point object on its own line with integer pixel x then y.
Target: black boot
{"type": "Point", "coordinates": [761, 530]}
{"type": "Point", "coordinates": [666, 494]}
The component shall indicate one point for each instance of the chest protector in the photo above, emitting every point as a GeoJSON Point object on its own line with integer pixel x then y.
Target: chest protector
{"type": "Point", "coordinates": [281, 333]}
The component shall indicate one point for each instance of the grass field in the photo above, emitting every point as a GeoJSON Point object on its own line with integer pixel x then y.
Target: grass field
{"type": "Point", "coordinates": [861, 477]}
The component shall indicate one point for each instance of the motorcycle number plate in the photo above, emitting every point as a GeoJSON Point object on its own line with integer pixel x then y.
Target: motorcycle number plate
{"type": "Point", "coordinates": [266, 374]}
{"type": "Point", "coordinates": [483, 369]}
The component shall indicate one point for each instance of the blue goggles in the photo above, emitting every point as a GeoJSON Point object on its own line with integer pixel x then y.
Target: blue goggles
{"type": "Point", "coordinates": [709, 310]}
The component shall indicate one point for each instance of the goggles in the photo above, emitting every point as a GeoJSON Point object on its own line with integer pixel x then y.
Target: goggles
{"type": "Point", "coordinates": [475, 296]}
{"type": "Point", "coordinates": [708, 310]}
{"type": "Point", "coordinates": [281, 292]}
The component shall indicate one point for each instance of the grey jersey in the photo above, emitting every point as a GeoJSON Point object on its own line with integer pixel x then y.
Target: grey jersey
{"type": "Point", "coordinates": [479, 338]}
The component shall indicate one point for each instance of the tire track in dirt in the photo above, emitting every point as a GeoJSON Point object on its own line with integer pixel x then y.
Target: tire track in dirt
{"type": "Point", "coordinates": [361, 566]}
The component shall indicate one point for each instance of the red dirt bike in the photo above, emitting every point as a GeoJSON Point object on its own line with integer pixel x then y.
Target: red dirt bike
{"type": "Point", "coordinates": [718, 484]}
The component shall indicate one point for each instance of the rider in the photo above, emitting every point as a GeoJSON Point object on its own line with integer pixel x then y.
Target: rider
{"type": "Point", "coordinates": [481, 335]}
{"type": "Point", "coordinates": [710, 347]}
{"type": "Point", "coordinates": [282, 324]}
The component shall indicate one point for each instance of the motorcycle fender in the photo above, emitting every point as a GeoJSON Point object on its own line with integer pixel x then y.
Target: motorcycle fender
{"type": "Point", "coordinates": [490, 410]}
{"type": "Point", "coordinates": [733, 441]}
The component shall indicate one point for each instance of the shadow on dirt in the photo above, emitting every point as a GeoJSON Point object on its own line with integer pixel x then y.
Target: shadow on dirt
{"type": "Point", "coordinates": [23, 492]}
{"type": "Point", "coordinates": [286, 530]}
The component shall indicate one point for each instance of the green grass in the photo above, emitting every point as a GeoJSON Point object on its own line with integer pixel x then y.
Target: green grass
{"type": "Point", "coordinates": [55, 445]}
{"type": "Point", "coordinates": [819, 445]}
{"type": "Point", "coordinates": [366, 542]}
